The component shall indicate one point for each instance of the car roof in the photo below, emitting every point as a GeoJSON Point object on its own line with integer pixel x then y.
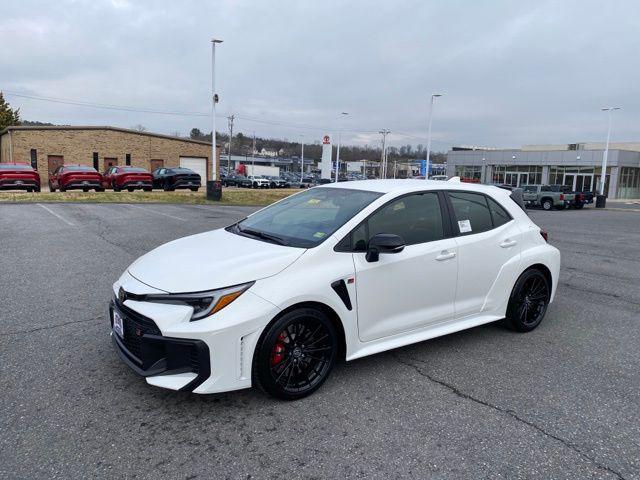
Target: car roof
{"type": "Point", "coordinates": [399, 186]}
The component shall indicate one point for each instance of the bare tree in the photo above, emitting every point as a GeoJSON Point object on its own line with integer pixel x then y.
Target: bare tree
{"type": "Point", "coordinates": [139, 128]}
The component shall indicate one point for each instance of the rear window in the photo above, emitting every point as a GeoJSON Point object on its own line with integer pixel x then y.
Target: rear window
{"type": "Point", "coordinates": [4, 166]}
{"type": "Point", "coordinates": [78, 168]}
{"type": "Point", "coordinates": [182, 170]}
{"type": "Point", "coordinates": [134, 169]}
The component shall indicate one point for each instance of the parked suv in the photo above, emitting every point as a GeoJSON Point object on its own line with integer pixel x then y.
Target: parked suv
{"type": "Point", "coordinates": [170, 179]}
{"type": "Point", "coordinates": [235, 180]}
{"type": "Point", "coordinates": [78, 177]}
{"type": "Point", "coordinates": [19, 176]}
{"type": "Point", "coordinates": [259, 181]}
{"type": "Point", "coordinates": [126, 177]}
{"type": "Point", "coordinates": [277, 182]}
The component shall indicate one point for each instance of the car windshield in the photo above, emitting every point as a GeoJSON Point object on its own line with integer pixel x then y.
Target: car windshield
{"type": "Point", "coordinates": [306, 219]}
{"type": "Point", "coordinates": [15, 167]}
{"type": "Point", "coordinates": [79, 168]}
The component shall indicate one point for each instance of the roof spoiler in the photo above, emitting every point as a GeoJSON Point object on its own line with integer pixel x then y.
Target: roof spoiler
{"type": "Point", "coordinates": [454, 180]}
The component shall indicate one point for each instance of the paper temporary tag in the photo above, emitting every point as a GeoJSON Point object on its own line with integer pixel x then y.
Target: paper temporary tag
{"type": "Point", "coordinates": [464, 226]}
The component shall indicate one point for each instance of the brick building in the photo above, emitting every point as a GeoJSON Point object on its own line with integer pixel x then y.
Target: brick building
{"type": "Point", "coordinates": [101, 147]}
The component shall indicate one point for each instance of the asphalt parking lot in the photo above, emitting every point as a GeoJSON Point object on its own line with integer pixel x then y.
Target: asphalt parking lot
{"type": "Point", "coordinates": [560, 402]}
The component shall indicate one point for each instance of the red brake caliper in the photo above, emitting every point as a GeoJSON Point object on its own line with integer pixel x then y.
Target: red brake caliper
{"type": "Point", "coordinates": [277, 354]}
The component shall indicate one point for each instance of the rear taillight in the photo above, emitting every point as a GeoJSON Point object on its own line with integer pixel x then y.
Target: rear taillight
{"type": "Point", "coordinates": [545, 235]}
{"type": "Point", "coordinates": [561, 196]}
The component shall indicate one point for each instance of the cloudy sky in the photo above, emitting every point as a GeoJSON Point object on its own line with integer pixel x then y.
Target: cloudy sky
{"type": "Point", "coordinates": [513, 72]}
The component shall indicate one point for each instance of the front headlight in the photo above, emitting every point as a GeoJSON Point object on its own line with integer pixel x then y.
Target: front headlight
{"type": "Point", "coordinates": [204, 303]}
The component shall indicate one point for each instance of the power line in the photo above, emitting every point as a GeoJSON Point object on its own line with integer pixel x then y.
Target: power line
{"type": "Point", "coordinates": [128, 108]}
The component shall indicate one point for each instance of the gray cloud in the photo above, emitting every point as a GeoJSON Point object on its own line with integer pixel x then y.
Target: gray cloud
{"type": "Point", "coordinates": [512, 72]}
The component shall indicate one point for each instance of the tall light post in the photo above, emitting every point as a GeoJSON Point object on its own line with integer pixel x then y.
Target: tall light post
{"type": "Point", "coordinates": [302, 159]}
{"type": "Point", "coordinates": [603, 175]}
{"type": "Point", "coordinates": [342, 115]}
{"type": "Point", "coordinates": [433, 97]}
{"type": "Point", "coordinates": [214, 171]}
{"type": "Point", "coordinates": [382, 171]}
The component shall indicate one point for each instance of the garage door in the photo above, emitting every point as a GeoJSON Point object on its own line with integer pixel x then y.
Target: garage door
{"type": "Point", "coordinates": [197, 164]}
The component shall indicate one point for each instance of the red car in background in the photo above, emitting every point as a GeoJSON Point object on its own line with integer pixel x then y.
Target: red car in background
{"type": "Point", "coordinates": [126, 177]}
{"type": "Point", "coordinates": [78, 177]}
{"type": "Point", "coordinates": [19, 176]}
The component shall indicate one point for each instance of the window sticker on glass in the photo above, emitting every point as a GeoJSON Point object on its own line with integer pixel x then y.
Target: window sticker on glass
{"type": "Point", "coordinates": [319, 235]}
{"type": "Point", "coordinates": [464, 226]}
{"type": "Point", "coordinates": [313, 201]}
{"type": "Point", "coordinates": [398, 206]}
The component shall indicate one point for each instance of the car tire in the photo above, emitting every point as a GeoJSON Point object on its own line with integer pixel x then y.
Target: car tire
{"type": "Point", "coordinates": [63, 189]}
{"type": "Point", "coordinates": [580, 206]}
{"type": "Point", "coordinates": [547, 204]}
{"type": "Point", "coordinates": [147, 189]}
{"type": "Point", "coordinates": [295, 354]}
{"type": "Point", "coordinates": [528, 301]}
{"type": "Point", "coordinates": [194, 189]}
{"type": "Point", "coordinates": [36, 189]}
{"type": "Point", "coordinates": [99, 189]}
{"type": "Point", "coordinates": [167, 187]}
{"type": "Point", "coordinates": [129, 189]}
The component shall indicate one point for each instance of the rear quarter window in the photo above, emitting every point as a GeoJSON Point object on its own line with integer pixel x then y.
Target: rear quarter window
{"type": "Point", "coordinates": [471, 212]}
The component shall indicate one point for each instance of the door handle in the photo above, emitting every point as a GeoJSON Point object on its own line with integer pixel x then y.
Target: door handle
{"type": "Point", "coordinates": [445, 255]}
{"type": "Point", "coordinates": [508, 243]}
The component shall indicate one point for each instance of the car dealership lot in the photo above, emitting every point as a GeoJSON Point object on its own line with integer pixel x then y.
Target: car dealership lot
{"type": "Point", "coordinates": [561, 401]}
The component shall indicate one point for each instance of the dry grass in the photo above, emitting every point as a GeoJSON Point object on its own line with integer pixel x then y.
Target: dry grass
{"type": "Point", "coordinates": [230, 196]}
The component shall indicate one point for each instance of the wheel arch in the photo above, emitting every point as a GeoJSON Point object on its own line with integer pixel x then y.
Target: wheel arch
{"type": "Point", "coordinates": [545, 271]}
{"type": "Point", "coordinates": [324, 308]}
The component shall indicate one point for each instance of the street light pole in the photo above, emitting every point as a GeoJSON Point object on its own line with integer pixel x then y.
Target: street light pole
{"type": "Point", "coordinates": [302, 159]}
{"type": "Point", "coordinates": [603, 174]}
{"type": "Point", "coordinates": [253, 155]}
{"type": "Point", "coordinates": [433, 97]}
{"type": "Point", "coordinates": [382, 171]}
{"type": "Point", "coordinates": [214, 171]}
{"type": "Point", "coordinates": [344, 114]}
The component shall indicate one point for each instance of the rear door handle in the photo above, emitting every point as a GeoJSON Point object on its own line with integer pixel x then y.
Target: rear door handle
{"type": "Point", "coordinates": [508, 243]}
{"type": "Point", "coordinates": [445, 255]}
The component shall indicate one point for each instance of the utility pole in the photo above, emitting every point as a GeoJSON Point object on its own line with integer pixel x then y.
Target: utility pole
{"type": "Point", "coordinates": [253, 155]}
{"type": "Point", "coordinates": [383, 158]}
{"type": "Point", "coordinates": [603, 174]}
{"type": "Point", "coordinates": [230, 119]}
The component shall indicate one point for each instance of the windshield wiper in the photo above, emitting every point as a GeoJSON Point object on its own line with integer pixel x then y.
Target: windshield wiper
{"type": "Point", "coordinates": [263, 235]}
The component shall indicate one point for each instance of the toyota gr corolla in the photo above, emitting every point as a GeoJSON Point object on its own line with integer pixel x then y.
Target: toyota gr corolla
{"type": "Point", "coordinates": [335, 272]}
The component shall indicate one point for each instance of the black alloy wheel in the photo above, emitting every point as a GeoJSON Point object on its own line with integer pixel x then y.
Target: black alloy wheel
{"type": "Point", "coordinates": [295, 355]}
{"type": "Point", "coordinates": [529, 301]}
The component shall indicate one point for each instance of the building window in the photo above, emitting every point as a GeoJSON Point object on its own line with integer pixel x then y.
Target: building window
{"type": "Point", "coordinates": [469, 172]}
{"type": "Point", "coordinates": [629, 183]}
{"type": "Point", "coordinates": [96, 164]}
{"type": "Point", "coordinates": [127, 159]}
{"type": "Point", "coordinates": [517, 175]}
{"type": "Point", "coordinates": [34, 159]}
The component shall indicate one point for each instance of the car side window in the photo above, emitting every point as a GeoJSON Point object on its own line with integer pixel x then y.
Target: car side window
{"type": "Point", "coordinates": [417, 218]}
{"type": "Point", "coordinates": [471, 212]}
{"type": "Point", "coordinates": [498, 214]}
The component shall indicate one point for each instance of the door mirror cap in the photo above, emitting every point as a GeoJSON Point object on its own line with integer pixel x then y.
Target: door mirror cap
{"type": "Point", "coordinates": [383, 243]}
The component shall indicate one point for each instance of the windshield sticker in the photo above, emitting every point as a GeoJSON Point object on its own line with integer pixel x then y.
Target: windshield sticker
{"type": "Point", "coordinates": [319, 235]}
{"type": "Point", "coordinates": [464, 226]}
{"type": "Point", "coordinates": [313, 201]}
{"type": "Point", "coordinates": [398, 206]}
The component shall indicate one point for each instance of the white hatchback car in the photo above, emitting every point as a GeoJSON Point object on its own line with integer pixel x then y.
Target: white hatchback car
{"type": "Point", "coordinates": [335, 272]}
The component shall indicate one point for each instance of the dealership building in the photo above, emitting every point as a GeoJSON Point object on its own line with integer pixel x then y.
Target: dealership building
{"type": "Point", "coordinates": [578, 165]}
{"type": "Point", "coordinates": [47, 147]}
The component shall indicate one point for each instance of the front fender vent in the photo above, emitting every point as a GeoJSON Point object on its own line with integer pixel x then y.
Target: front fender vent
{"type": "Point", "coordinates": [341, 289]}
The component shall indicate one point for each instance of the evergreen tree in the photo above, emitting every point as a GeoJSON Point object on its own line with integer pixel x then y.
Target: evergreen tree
{"type": "Point", "coordinates": [8, 116]}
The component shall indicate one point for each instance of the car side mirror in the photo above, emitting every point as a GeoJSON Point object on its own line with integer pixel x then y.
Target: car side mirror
{"type": "Point", "coordinates": [383, 243]}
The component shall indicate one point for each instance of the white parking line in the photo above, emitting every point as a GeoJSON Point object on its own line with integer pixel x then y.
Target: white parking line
{"type": "Point", "coordinates": [158, 213]}
{"type": "Point", "coordinates": [56, 215]}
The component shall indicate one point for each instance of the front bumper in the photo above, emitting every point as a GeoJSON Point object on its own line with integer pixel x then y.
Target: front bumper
{"type": "Point", "coordinates": [229, 338]}
{"type": "Point", "coordinates": [148, 353]}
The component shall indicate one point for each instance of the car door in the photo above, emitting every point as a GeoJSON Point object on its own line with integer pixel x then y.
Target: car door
{"type": "Point", "coordinates": [489, 244]}
{"type": "Point", "coordinates": [413, 288]}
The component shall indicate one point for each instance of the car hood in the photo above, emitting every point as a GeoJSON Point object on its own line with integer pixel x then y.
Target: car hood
{"type": "Point", "coordinates": [211, 260]}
